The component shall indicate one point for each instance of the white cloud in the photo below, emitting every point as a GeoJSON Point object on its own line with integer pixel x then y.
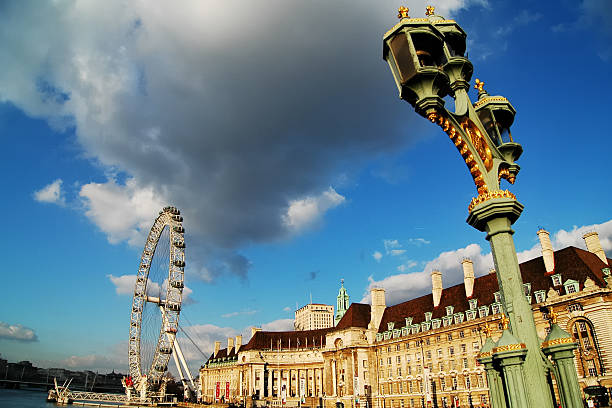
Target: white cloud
{"type": "Point", "coordinates": [377, 256]}
{"type": "Point", "coordinates": [51, 193]}
{"type": "Point", "coordinates": [397, 252]}
{"type": "Point", "coordinates": [391, 244]}
{"type": "Point", "coordinates": [404, 286]}
{"type": "Point", "coordinates": [278, 325]}
{"type": "Point", "coordinates": [419, 241]}
{"type": "Point", "coordinates": [246, 312]}
{"type": "Point", "coordinates": [409, 264]}
{"type": "Point", "coordinates": [287, 309]}
{"type": "Point", "coordinates": [17, 332]}
{"type": "Point", "coordinates": [308, 211]}
{"type": "Point", "coordinates": [123, 212]}
{"type": "Point", "coordinates": [124, 285]}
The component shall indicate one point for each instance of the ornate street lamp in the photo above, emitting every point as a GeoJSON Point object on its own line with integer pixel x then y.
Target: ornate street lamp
{"type": "Point", "coordinates": [426, 56]}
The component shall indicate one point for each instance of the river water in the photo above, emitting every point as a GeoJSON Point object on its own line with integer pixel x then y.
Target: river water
{"type": "Point", "coordinates": [24, 399]}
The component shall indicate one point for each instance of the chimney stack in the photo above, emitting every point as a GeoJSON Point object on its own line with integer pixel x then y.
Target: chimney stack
{"type": "Point", "coordinates": [217, 347]}
{"type": "Point", "coordinates": [230, 344]}
{"type": "Point", "coordinates": [254, 330]}
{"type": "Point", "coordinates": [436, 287]}
{"type": "Point", "coordinates": [238, 343]}
{"type": "Point", "coordinates": [593, 244]}
{"type": "Point", "coordinates": [468, 277]}
{"type": "Point", "coordinates": [378, 307]}
{"type": "Point", "coordinates": [547, 251]}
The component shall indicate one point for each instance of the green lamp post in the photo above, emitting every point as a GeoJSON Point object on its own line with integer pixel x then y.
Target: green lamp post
{"type": "Point", "coordinates": [427, 59]}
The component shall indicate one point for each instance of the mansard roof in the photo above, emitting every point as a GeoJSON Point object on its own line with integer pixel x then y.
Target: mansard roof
{"type": "Point", "coordinates": [357, 315]}
{"type": "Point", "coordinates": [268, 340]}
{"type": "Point", "coordinates": [571, 262]}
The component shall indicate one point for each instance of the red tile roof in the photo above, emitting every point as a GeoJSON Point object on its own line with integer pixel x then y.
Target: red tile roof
{"type": "Point", "coordinates": [357, 315]}
{"type": "Point", "coordinates": [571, 263]}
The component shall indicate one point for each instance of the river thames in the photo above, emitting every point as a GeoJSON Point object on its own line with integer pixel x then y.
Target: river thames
{"type": "Point", "coordinates": [24, 399]}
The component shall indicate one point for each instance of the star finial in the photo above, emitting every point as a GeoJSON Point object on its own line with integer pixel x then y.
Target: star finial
{"type": "Point", "coordinates": [402, 12]}
{"type": "Point", "coordinates": [429, 10]}
{"type": "Point", "coordinates": [479, 85]}
{"type": "Point", "coordinates": [505, 321]}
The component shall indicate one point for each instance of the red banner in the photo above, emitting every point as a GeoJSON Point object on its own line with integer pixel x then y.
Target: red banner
{"type": "Point", "coordinates": [227, 391]}
{"type": "Point", "coordinates": [217, 391]}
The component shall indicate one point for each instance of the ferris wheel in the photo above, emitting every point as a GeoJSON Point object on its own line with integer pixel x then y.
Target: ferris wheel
{"type": "Point", "coordinates": [156, 305]}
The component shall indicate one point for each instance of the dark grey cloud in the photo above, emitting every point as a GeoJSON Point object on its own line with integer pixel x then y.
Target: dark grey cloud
{"type": "Point", "coordinates": [231, 112]}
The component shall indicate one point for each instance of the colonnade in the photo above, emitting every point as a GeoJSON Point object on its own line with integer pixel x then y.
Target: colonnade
{"type": "Point", "coordinates": [288, 377]}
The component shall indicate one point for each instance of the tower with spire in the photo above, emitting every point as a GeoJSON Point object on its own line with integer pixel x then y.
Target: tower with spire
{"type": "Point", "coordinates": [342, 302]}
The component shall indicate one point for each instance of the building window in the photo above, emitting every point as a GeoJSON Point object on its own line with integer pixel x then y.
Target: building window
{"type": "Point", "coordinates": [442, 383]}
{"type": "Point", "coordinates": [473, 304]}
{"type": "Point", "coordinates": [450, 310]}
{"type": "Point", "coordinates": [382, 361]}
{"type": "Point", "coordinates": [527, 288]}
{"type": "Point", "coordinates": [496, 308]}
{"type": "Point", "coordinates": [461, 334]}
{"type": "Point", "coordinates": [408, 321]}
{"type": "Point", "coordinates": [556, 279]}
{"type": "Point", "coordinates": [451, 351]}
{"type": "Point", "coordinates": [589, 359]}
{"type": "Point", "coordinates": [483, 311]}
{"type": "Point", "coordinates": [439, 353]}
{"type": "Point", "coordinates": [428, 316]}
{"type": "Point", "coordinates": [410, 389]}
{"type": "Point", "coordinates": [428, 354]}
{"type": "Point", "coordinates": [427, 341]}
{"type": "Point", "coordinates": [571, 286]}
{"type": "Point", "coordinates": [399, 372]}
{"type": "Point", "coordinates": [407, 345]}
{"type": "Point", "coordinates": [476, 346]}
{"type": "Point", "coordinates": [389, 373]}
{"type": "Point", "coordinates": [365, 363]}
{"type": "Point", "coordinates": [465, 363]}
{"type": "Point", "coordinates": [388, 360]}
{"type": "Point", "coordinates": [574, 307]}
{"type": "Point", "coordinates": [450, 336]}
{"type": "Point", "coordinates": [397, 347]}
{"type": "Point", "coordinates": [497, 297]}
{"type": "Point", "coordinates": [399, 359]}
{"type": "Point", "coordinates": [463, 348]}
{"type": "Point", "coordinates": [470, 315]}
{"type": "Point", "coordinates": [435, 323]}
{"type": "Point", "coordinates": [468, 382]}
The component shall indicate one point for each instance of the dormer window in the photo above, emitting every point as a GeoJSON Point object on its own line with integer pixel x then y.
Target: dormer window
{"type": "Point", "coordinates": [496, 308]}
{"type": "Point", "coordinates": [428, 316]}
{"type": "Point", "coordinates": [527, 288]}
{"type": "Point", "coordinates": [404, 331]}
{"type": "Point", "coordinates": [435, 323]}
{"type": "Point", "coordinates": [556, 279]}
{"type": "Point", "coordinates": [458, 318]}
{"type": "Point", "coordinates": [396, 333]}
{"type": "Point", "coordinates": [473, 304]}
{"type": "Point", "coordinates": [415, 328]}
{"type": "Point", "coordinates": [447, 320]}
{"type": "Point", "coordinates": [390, 325]}
{"type": "Point", "coordinates": [483, 311]}
{"type": "Point", "coordinates": [450, 310]}
{"type": "Point", "coordinates": [571, 286]}
{"type": "Point", "coordinates": [408, 321]}
{"type": "Point", "coordinates": [425, 326]}
{"type": "Point", "coordinates": [540, 296]}
{"type": "Point", "coordinates": [497, 297]}
{"type": "Point", "coordinates": [470, 314]}
{"type": "Point", "coordinates": [379, 336]}
{"type": "Point", "coordinates": [528, 297]}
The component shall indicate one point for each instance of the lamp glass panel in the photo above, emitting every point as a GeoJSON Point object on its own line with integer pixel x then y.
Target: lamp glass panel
{"type": "Point", "coordinates": [403, 58]}
{"type": "Point", "coordinates": [488, 121]}
{"type": "Point", "coordinates": [428, 49]}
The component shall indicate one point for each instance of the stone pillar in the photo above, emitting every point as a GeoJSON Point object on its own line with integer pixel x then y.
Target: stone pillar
{"type": "Point", "coordinates": [241, 380]}
{"type": "Point", "coordinates": [270, 380]}
{"type": "Point", "coordinates": [560, 346]}
{"type": "Point", "coordinates": [495, 216]}
{"type": "Point", "coordinates": [334, 379]}
{"type": "Point", "coordinates": [261, 382]}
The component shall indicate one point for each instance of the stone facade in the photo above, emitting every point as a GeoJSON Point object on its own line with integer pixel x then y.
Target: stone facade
{"type": "Point", "coordinates": [405, 355]}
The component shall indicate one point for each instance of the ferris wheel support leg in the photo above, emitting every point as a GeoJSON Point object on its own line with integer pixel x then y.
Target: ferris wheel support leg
{"type": "Point", "coordinates": [180, 354]}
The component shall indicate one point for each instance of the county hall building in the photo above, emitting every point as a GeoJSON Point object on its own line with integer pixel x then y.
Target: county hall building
{"type": "Point", "coordinates": [421, 352]}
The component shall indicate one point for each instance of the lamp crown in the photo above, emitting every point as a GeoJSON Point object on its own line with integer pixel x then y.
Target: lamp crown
{"type": "Point", "coordinates": [429, 11]}
{"type": "Point", "coordinates": [402, 12]}
{"type": "Point", "coordinates": [504, 322]}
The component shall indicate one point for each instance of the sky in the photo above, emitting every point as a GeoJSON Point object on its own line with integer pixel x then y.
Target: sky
{"type": "Point", "coordinates": [276, 128]}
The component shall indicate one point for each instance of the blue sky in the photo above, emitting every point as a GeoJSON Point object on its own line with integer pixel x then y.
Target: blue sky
{"type": "Point", "coordinates": [278, 132]}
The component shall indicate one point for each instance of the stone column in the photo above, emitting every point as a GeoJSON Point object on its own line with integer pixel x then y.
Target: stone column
{"type": "Point", "coordinates": [240, 382]}
{"type": "Point", "coordinates": [334, 379]}
{"type": "Point", "coordinates": [270, 380]}
{"type": "Point", "coordinates": [495, 216]}
{"type": "Point", "coordinates": [511, 363]}
{"type": "Point", "coordinates": [560, 346]}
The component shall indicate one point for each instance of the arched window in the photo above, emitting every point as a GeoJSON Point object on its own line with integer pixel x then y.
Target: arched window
{"type": "Point", "coordinates": [589, 360]}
